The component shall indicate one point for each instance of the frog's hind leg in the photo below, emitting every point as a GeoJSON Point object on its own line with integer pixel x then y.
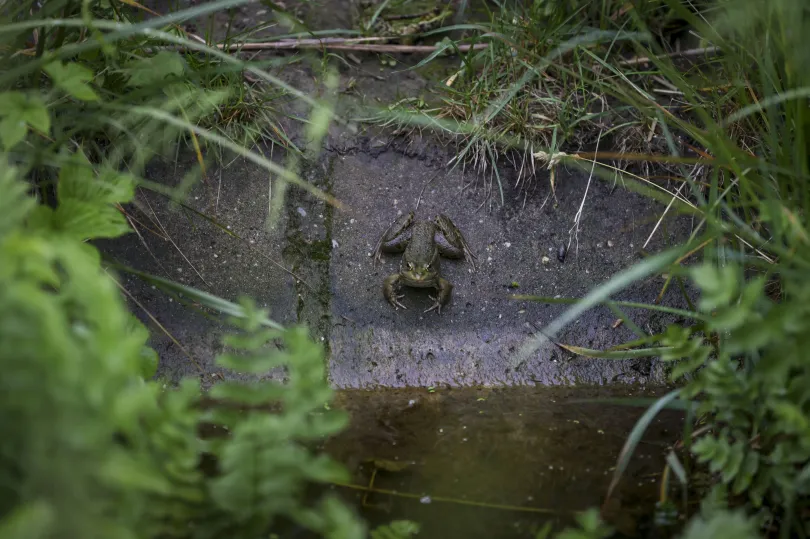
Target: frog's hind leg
{"type": "Point", "coordinates": [451, 241]}
{"type": "Point", "coordinates": [390, 289]}
{"type": "Point", "coordinates": [395, 238]}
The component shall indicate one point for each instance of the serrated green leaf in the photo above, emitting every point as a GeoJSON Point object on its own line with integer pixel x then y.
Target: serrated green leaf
{"type": "Point", "coordinates": [735, 459]}
{"type": "Point", "coordinates": [718, 285]}
{"type": "Point", "coordinates": [340, 522]}
{"type": "Point", "coordinates": [12, 131]}
{"type": "Point", "coordinates": [723, 525]}
{"type": "Point", "coordinates": [327, 423]}
{"type": "Point", "coordinates": [397, 529]}
{"type": "Point", "coordinates": [251, 363]}
{"type": "Point", "coordinates": [87, 220]}
{"type": "Point", "coordinates": [248, 394]}
{"type": "Point", "coordinates": [18, 111]}
{"type": "Point", "coordinates": [747, 472]}
{"type": "Point", "coordinates": [149, 362]}
{"type": "Point", "coordinates": [122, 469]}
{"type": "Point", "coordinates": [323, 469]}
{"type": "Point", "coordinates": [691, 364]}
{"type": "Point", "coordinates": [15, 203]}
{"type": "Point", "coordinates": [73, 78]}
{"type": "Point", "coordinates": [78, 181]}
{"type": "Point", "coordinates": [254, 340]}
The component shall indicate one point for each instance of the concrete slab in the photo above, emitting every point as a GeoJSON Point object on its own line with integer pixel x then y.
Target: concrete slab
{"type": "Point", "coordinates": [473, 341]}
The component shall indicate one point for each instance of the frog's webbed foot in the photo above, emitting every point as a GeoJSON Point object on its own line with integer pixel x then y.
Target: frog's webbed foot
{"type": "Point", "coordinates": [394, 239]}
{"type": "Point", "coordinates": [390, 291]}
{"type": "Point", "coordinates": [458, 245]}
{"type": "Point", "coordinates": [443, 292]}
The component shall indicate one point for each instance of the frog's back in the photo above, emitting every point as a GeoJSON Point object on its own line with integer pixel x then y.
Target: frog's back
{"type": "Point", "coordinates": [422, 244]}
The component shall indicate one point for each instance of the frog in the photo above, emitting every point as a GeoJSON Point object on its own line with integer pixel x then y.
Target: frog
{"type": "Point", "coordinates": [403, 19]}
{"type": "Point", "coordinates": [423, 243]}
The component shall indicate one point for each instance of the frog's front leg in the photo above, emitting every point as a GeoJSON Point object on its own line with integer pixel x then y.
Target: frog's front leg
{"type": "Point", "coordinates": [455, 246]}
{"type": "Point", "coordinates": [443, 292]}
{"type": "Point", "coordinates": [394, 239]}
{"type": "Point", "coordinates": [390, 288]}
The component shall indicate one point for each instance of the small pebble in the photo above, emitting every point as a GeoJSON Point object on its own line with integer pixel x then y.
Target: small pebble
{"type": "Point", "coordinates": [335, 244]}
{"type": "Point", "coordinates": [561, 251]}
{"type": "Point", "coordinates": [425, 499]}
{"type": "Point", "coordinates": [610, 243]}
{"type": "Point", "coordinates": [507, 244]}
{"type": "Point", "coordinates": [545, 260]}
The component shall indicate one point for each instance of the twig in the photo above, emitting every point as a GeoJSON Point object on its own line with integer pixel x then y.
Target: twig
{"type": "Point", "coordinates": [678, 192]}
{"type": "Point", "coordinates": [689, 52]}
{"type": "Point", "coordinates": [409, 16]}
{"type": "Point", "coordinates": [449, 500]}
{"type": "Point", "coordinates": [156, 322]}
{"type": "Point", "coordinates": [418, 200]}
{"type": "Point", "coordinates": [345, 44]}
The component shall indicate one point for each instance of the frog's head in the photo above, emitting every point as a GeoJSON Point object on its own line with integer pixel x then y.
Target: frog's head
{"type": "Point", "coordinates": [419, 271]}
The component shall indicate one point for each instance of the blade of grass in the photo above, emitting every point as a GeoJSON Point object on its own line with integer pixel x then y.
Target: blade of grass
{"type": "Point", "coordinates": [634, 438]}
{"type": "Point", "coordinates": [204, 298]}
{"type": "Point", "coordinates": [615, 354]}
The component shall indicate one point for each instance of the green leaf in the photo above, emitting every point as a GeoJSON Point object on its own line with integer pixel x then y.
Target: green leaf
{"type": "Point", "coordinates": [155, 70]}
{"type": "Point", "coordinates": [12, 131]}
{"type": "Point", "coordinates": [86, 220]}
{"type": "Point", "coordinates": [591, 526]}
{"type": "Point", "coordinates": [78, 180]}
{"type": "Point", "coordinates": [248, 394]}
{"type": "Point", "coordinates": [328, 423]}
{"type": "Point", "coordinates": [397, 529]}
{"type": "Point", "coordinates": [323, 469]}
{"type": "Point", "coordinates": [149, 362]}
{"type": "Point", "coordinates": [251, 363]}
{"type": "Point", "coordinates": [15, 203]}
{"type": "Point", "coordinates": [32, 521]}
{"type": "Point", "coordinates": [340, 521]}
{"type": "Point", "coordinates": [123, 470]}
{"type": "Point", "coordinates": [718, 285]}
{"type": "Point", "coordinates": [20, 110]}
{"type": "Point", "coordinates": [747, 472]}
{"type": "Point", "coordinates": [723, 525]}
{"type": "Point", "coordinates": [691, 364]}
{"type": "Point", "coordinates": [73, 78]}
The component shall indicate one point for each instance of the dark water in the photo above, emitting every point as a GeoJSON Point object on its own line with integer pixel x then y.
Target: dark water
{"type": "Point", "coordinates": [524, 456]}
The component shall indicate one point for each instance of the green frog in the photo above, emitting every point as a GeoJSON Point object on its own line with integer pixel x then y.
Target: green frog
{"type": "Point", "coordinates": [422, 242]}
{"type": "Point", "coordinates": [403, 18]}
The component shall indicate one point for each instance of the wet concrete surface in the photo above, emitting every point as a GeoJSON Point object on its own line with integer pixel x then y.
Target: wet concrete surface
{"type": "Point", "coordinates": [313, 266]}
{"type": "Point", "coordinates": [473, 341]}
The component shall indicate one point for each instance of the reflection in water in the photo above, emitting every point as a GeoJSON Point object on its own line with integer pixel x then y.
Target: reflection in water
{"type": "Point", "coordinates": [496, 462]}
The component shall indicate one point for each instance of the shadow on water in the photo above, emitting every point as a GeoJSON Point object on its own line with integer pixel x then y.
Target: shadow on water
{"type": "Point", "coordinates": [496, 462]}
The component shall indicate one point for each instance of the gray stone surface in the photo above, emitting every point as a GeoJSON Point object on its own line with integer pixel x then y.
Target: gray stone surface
{"type": "Point", "coordinates": [230, 253]}
{"type": "Point", "coordinates": [474, 340]}
{"type": "Point", "coordinates": [314, 267]}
